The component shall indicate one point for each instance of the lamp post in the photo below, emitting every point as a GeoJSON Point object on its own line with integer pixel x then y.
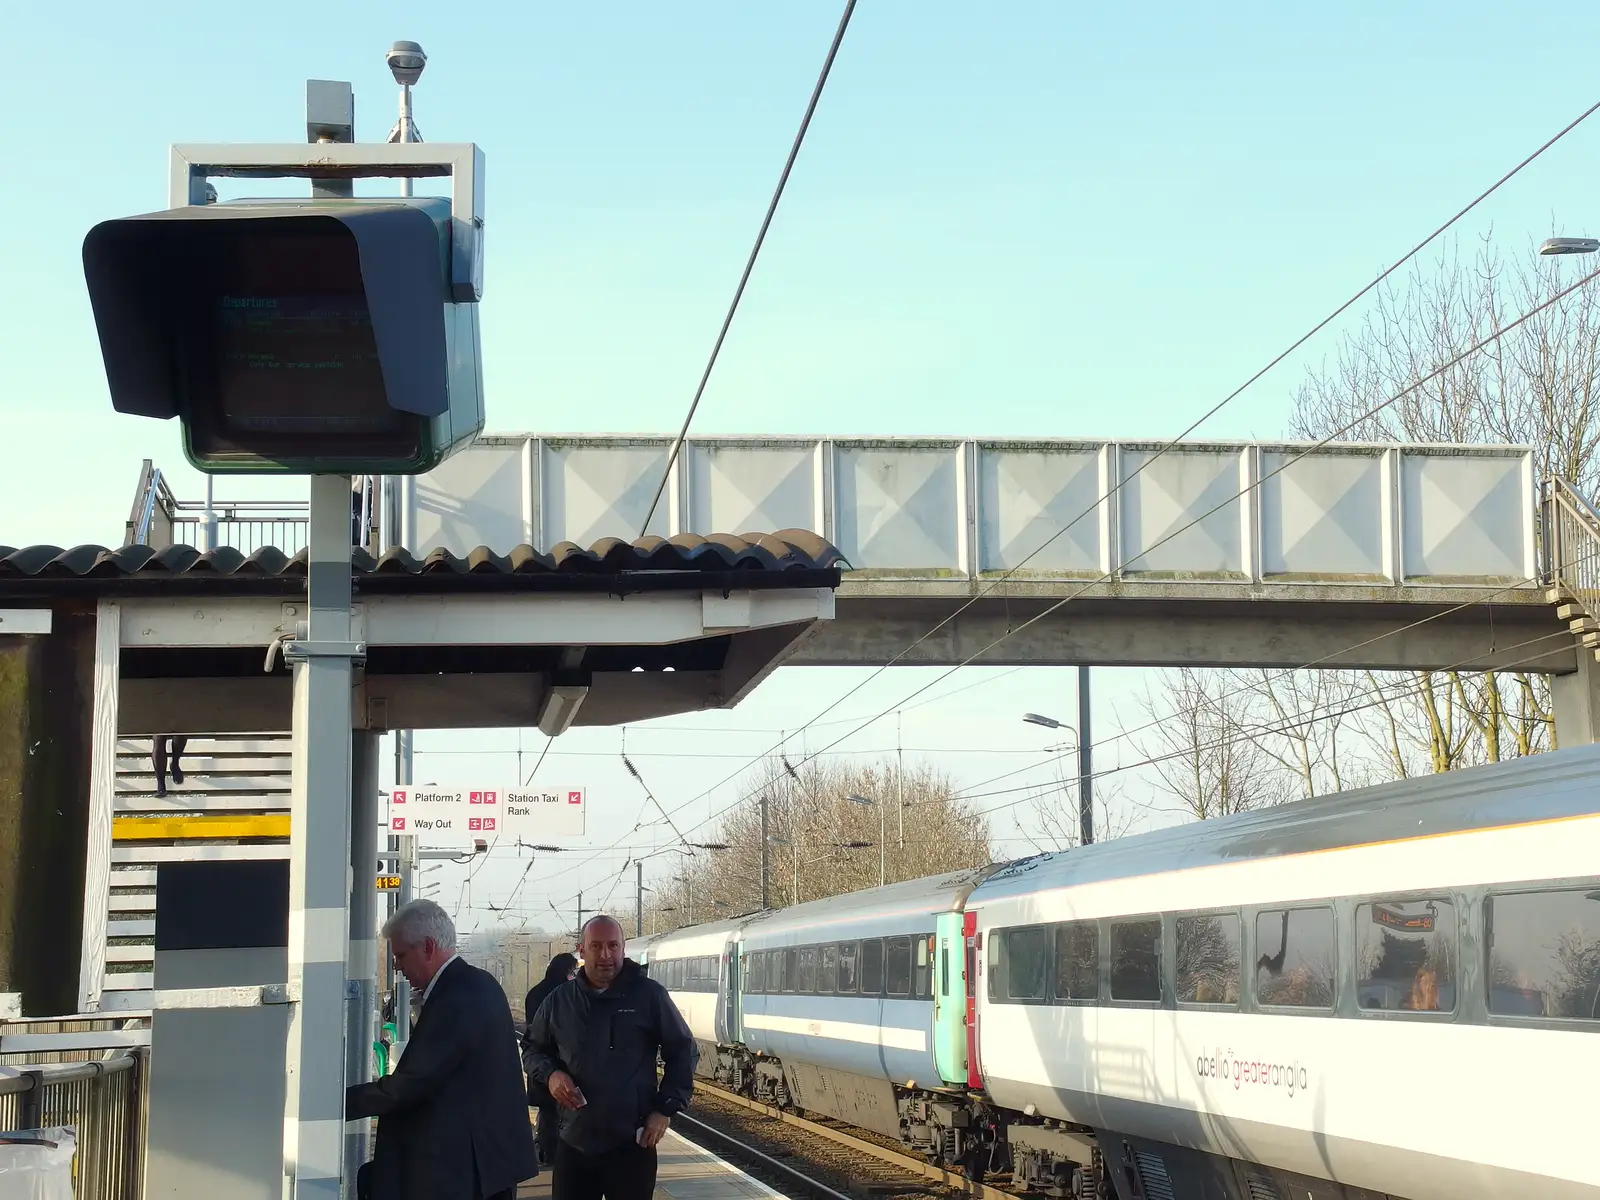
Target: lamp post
{"type": "Point", "coordinates": [1085, 767]}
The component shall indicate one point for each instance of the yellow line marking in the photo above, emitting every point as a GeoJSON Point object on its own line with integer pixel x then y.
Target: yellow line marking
{"type": "Point", "coordinates": [140, 829]}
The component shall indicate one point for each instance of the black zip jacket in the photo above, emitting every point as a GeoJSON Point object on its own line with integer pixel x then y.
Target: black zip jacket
{"type": "Point", "coordinates": [608, 1042]}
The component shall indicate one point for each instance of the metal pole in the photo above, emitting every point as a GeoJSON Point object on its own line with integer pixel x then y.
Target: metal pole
{"type": "Point", "coordinates": [208, 522]}
{"type": "Point", "coordinates": [638, 899]}
{"type": "Point", "coordinates": [363, 974]}
{"type": "Point", "coordinates": [319, 856]}
{"type": "Point", "coordinates": [1085, 767]}
{"type": "Point", "coordinates": [900, 782]}
{"type": "Point", "coordinates": [766, 854]}
{"type": "Point", "coordinates": [883, 842]}
{"type": "Point", "coordinates": [406, 865]}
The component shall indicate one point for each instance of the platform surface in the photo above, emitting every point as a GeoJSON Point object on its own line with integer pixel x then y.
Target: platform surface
{"type": "Point", "coordinates": [684, 1172]}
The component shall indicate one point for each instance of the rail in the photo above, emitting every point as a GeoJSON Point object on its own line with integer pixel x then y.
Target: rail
{"type": "Point", "coordinates": [1572, 543]}
{"type": "Point", "coordinates": [105, 1101]}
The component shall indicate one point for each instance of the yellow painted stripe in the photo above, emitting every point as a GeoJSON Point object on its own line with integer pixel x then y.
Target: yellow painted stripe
{"type": "Point", "coordinates": [145, 829]}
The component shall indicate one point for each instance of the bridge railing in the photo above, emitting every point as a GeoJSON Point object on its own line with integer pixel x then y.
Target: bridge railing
{"type": "Point", "coordinates": [104, 1101]}
{"type": "Point", "coordinates": [1572, 543]}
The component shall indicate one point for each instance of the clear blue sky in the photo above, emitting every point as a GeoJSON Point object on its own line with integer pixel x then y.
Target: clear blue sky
{"type": "Point", "coordinates": [1010, 219]}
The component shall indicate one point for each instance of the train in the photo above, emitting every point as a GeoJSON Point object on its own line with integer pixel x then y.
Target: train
{"type": "Point", "coordinates": [1390, 993]}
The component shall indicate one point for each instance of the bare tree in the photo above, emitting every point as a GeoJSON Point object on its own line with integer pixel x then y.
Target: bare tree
{"type": "Point", "coordinates": [1538, 385]}
{"type": "Point", "coordinates": [1206, 746]}
{"type": "Point", "coordinates": [1055, 811]}
{"type": "Point", "coordinates": [822, 843]}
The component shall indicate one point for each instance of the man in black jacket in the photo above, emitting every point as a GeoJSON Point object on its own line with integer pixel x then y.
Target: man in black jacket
{"type": "Point", "coordinates": [594, 1044]}
{"type": "Point", "coordinates": [557, 973]}
{"type": "Point", "coordinates": [453, 1118]}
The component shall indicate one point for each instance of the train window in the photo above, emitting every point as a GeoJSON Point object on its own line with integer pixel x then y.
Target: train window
{"type": "Point", "coordinates": [1406, 955]}
{"type": "Point", "coordinates": [828, 972]}
{"type": "Point", "coordinates": [1544, 954]}
{"type": "Point", "coordinates": [752, 974]}
{"type": "Point", "coordinates": [1295, 957]}
{"type": "Point", "coordinates": [872, 967]}
{"type": "Point", "coordinates": [1027, 960]}
{"type": "Point", "coordinates": [847, 968]}
{"type": "Point", "coordinates": [791, 969]}
{"type": "Point", "coordinates": [897, 966]}
{"type": "Point", "coordinates": [808, 970]}
{"type": "Point", "coordinates": [1136, 959]}
{"type": "Point", "coordinates": [1208, 959]}
{"type": "Point", "coordinates": [1078, 960]}
{"type": "Point", "coordinates": [944, 966]}
{"type": "Point", "coordinates": [920, 968]}
{"type": "Point", "coordinates": [997, 965]}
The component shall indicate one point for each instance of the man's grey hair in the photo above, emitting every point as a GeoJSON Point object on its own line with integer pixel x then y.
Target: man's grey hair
{"type": "Point", "coordinates": [421, 919]}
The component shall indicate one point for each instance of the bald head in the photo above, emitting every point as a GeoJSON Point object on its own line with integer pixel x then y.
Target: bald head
{"type": "Point", "coordinates": [604, 947]}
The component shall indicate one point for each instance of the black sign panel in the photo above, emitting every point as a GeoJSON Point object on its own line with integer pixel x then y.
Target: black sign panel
{"type": "Point", "coordinates": [222, 905]}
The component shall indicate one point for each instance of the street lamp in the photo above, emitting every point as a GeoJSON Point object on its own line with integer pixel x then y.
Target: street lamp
{"type": "Point", "coordinates": [1568, 245]}
{"type": "Point", "coordinates": [1080, 740]}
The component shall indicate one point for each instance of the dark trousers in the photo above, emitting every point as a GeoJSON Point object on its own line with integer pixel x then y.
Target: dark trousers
{"type": "Point", "coordinates": [549, 1133]}
{"type": "Point", "coordinates": [626, 1173]}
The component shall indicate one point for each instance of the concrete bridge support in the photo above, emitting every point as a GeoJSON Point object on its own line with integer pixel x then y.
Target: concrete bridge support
{"type": "Point", "coordinates": [1576, 699]}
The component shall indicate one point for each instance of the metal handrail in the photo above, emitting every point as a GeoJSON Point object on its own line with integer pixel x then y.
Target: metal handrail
{"type": "Point", "coordinates": [1572, 544]}
{"type": "Point", "coordinates": [27, 1079]}
{"type": "Point", "coordinates": [145, 506]}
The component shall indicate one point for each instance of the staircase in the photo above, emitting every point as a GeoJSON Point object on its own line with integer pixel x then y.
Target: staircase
{"type": "Point", "coordinates": [233, 804]}
{"type": "Point", "coordinates": [1572, 557]}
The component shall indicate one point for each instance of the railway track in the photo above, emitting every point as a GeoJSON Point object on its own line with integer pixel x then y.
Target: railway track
{"type": "Point", "coordinates": [833, 1158]}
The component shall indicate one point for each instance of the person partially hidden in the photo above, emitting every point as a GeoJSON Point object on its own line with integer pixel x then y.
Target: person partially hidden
{"type": "Point", "coordinates": [158, 755]}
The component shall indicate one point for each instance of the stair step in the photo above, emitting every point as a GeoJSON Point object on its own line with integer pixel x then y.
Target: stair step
{"type": "Point", "coordinates": [1570, 611]}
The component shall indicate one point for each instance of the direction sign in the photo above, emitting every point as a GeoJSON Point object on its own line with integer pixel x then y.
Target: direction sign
{"type": "Point", "coordinates": [448, 815]}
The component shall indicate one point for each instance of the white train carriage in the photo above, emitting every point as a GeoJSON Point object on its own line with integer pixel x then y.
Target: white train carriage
{"type": "Point", "coordinates": [1388, 992]}
{"type": "Point", "coordinates": [854, 1006]}
{"type": "Point", "coordinates": [696, 966]}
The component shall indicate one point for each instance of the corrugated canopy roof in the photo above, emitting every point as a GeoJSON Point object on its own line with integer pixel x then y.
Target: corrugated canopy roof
{"type": "Point", "coordinates": [788, 559]}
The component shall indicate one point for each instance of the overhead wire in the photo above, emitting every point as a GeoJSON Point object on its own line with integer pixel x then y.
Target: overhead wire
{"type": "Point", "coordinates": [992, 585]}
{"type": "Point", "coordinates": [750, 263]}
{"type": "Point", "coordinates": [1273, 363]}
{"type": "Point", "coordinates": [1065, 600]}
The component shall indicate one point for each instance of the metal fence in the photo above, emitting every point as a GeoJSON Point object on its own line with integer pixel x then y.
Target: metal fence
{"type": "Point", "coordinates": [1572, 534]}
{"type": "Point", "coordinates": [105, 1101]}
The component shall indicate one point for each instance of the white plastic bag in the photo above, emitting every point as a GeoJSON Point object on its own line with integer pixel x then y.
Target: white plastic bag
{"type": "Point", "coordinates": [36, 1164]}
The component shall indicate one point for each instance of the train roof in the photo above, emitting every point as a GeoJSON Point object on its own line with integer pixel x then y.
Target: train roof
{"type": "Point", "coordinates": [695, 939]}
{"type": "Point", "coordinates": [1542, 787]}
{"type": "Point", "coordinates": [914, 897]}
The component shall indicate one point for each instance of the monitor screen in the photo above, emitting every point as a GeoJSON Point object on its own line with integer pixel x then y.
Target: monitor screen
{"type": "Point", "coordinates": [298, 364]}
{"type": "Point", "coordinates": [286, 356]}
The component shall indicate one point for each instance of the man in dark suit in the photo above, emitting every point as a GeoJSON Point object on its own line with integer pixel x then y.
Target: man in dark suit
{"type": "Point", "coordinates": [453, 1118]}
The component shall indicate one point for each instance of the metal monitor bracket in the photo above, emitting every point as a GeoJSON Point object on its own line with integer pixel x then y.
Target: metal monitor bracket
{"type": "Point", "coordinates": [194, 165]}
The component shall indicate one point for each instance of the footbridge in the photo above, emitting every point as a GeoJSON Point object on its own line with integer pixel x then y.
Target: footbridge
{"type": "Point", "coordinates": [1259, 554]}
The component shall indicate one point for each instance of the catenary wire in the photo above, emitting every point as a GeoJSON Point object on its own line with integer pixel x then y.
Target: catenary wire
{"type": "Point", "coordinates": [1115, 488]}
{"type": "Point", "coordinates": [755, 250]}
{"type": "Point", "coordinates": [1421, 245]}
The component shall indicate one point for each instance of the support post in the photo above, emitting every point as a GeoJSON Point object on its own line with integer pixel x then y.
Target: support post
{"type": "Point", "coordinates": [766, 854]}
{"type": "Point", "coordinates": [319, 856]}
{"type": "Point", "coordinates": [638, 899]}
{"type": "Point", "coordinates": [1085, 762]}
{"type": "Point", "coordinates": [1576, 700]}
{"type": "Point", "coordinates": [362, 986]}
{"type": "Point", "coordinates": [406, 868]}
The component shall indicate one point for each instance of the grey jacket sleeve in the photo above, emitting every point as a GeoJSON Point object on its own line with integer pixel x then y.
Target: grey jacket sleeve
{"type": "Point", "coordinates": [540, 1055]}
{"type": "Point", "coordinates": [679, 1054]}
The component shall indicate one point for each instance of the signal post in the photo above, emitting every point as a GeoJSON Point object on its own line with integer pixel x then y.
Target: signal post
{"type": "Point", "coordinates": [326, 337]}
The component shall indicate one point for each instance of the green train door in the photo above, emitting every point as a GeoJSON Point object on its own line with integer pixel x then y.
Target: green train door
{"type": "Point", "coordinates": [949, 1001]}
